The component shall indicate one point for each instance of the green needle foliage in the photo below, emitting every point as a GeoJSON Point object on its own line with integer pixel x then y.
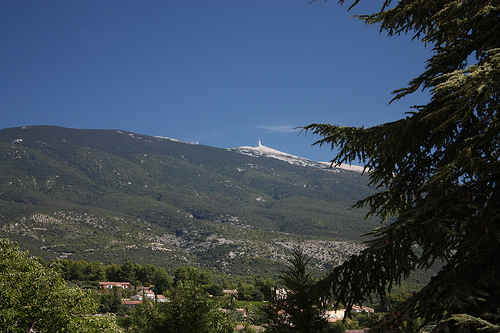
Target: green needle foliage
{"type": "Point", "coordinates": [437, 170]}
{"type": "Point", "coordinates": [300, 309]}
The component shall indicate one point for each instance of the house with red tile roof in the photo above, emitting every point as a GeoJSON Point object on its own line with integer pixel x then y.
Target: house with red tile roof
{"type": "Point", "coordinates": [111, 285]}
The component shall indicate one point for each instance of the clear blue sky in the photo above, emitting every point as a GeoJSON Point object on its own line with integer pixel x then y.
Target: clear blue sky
{"type": "Point", "coordinates": [220, 73]}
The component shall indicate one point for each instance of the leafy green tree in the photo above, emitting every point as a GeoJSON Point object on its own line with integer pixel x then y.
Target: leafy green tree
{"type": "Point", "coordinates": [127, 272]}
{"type": "Point", "coordinates": [161, 281]}
{"type": "Point", "coordinates": [185, 273]}
{"type": "Point", "coordinates": [438, 172]}
{"type": "Point", "coordinates": [245, 291]}
{"type": "Point", "coordinates": [80, 270]}
{"type": "Point", "coordinates": [266, 287]}
{"type": "Point", "coordinates": [36, 297]}
{"type": "Point", "coordinates": [145, 274]}
{"type": "Point", "coordinates": [215, 290]}
{"type": "Point", "coordinates": [302, 309]}
{"type": "Point", "coordinates": [95, 271]}
{"type": "Point", "coordinates": [190, 309]}
{"type": "Point", "coordinates": [113, 273]}
{"type": "Point", "coordinates": [111, 301]}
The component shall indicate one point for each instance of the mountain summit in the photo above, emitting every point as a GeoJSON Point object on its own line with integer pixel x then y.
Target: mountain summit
{"type": "Point", "coordinates": [263, 151]}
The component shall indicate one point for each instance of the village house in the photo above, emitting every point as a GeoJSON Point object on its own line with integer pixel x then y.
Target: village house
{"type": "Point", "coordinates": [130, 303]}
{"type": "Point", "coordinates": [230, 292]}
{"type": "Point", "coordinates": [242, 312]}
{"type": "Point", "coordinates": [334, 315]}
{"type": "Point", "coordinates": [161, 298]}
{"type": "Point", "coordinates": [142, 295]}
{"type": "Point", "coordinates": [281, 293]}
{"type": "Point", "coordinates": [362, 309]}
{"type": "Point", "coordinates": [111, 285]}
{"type": "Point", "coordinates": [146, 294]}
{"type": "Point", "coordinates": [144, 288]}
{"type": "Point", "coordinates": [149, 295]}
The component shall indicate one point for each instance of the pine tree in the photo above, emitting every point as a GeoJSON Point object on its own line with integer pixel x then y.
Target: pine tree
{"type": "Point", "coordinates": [438, 172]}
{"type": "Point", "coordinates": [300, 308]}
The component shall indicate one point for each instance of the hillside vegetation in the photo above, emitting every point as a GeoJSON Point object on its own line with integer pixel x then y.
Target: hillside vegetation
{"type": "Point", "coordinates": [114, 196]}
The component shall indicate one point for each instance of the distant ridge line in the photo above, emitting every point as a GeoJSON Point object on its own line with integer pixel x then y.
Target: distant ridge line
{"type": "Point", "coordinates": [262, 150]}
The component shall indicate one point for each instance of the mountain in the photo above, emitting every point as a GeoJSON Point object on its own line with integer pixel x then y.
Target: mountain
{"type": "Point", "coordinates": [113, 196]}
{"type": "Point", "coordinates": [263, 151]}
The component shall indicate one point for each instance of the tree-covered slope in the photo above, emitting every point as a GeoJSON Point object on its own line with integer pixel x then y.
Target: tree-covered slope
{"type": "Point", "coordinates": [111, 196]}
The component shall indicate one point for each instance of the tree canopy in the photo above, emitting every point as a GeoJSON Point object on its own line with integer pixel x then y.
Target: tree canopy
{"type": "Point", "coordinates": [437, 169]}
{"type": "Point", "coordinates": [189, 309]}
{"type": "Point", "coordinates": [36, 297]}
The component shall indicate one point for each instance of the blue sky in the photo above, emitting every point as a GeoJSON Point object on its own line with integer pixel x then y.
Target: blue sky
{"type": "Point", "coordinates": [220, 73]}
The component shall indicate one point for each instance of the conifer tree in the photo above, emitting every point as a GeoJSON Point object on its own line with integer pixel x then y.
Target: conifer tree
{"type": "Point", "coordinates": [299, 308]}
{"type": "Point", "coordinates": [438, 172]}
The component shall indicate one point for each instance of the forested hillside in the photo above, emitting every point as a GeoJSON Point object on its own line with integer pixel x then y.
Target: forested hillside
{"type": "Point", "coordinates": [114, 196]}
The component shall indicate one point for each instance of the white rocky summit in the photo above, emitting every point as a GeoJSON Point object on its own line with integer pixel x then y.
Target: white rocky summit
{"type": "Point", "coordinates": [263, 151]}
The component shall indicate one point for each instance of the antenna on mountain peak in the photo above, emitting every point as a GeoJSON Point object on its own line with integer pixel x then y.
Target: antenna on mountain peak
{"type": "Point", "coordinates": [260, 144]}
